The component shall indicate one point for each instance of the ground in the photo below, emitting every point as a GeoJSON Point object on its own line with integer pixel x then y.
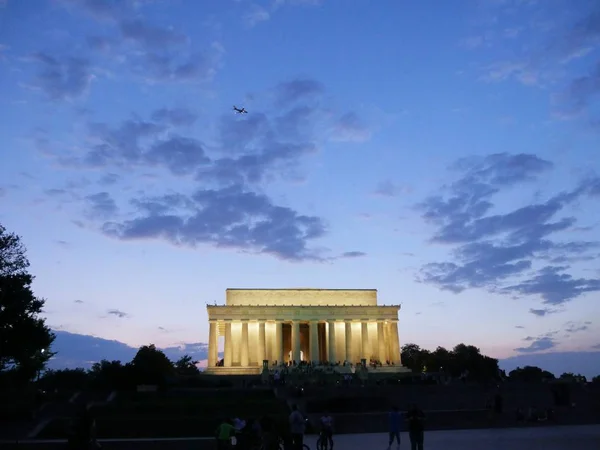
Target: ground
{"type": "Point", "coordinates": [586, 437]}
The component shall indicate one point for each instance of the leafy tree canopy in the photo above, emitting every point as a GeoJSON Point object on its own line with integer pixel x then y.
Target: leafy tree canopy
{"type": "Point", "coordinates": [463, 359]}
{"type": "Point", "coordinates": [530, 374]}
{"type": "Point", "coordinates": [25, 340]}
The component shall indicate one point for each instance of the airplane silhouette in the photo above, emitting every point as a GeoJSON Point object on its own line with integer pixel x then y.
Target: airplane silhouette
{"type": "Point", "coordinates": [240, 110]}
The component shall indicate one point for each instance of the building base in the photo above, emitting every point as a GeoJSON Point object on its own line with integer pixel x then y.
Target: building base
{"type": "Point", "coordinates": [256, 370]}
{"type": "Point", "coordinates": [389, 369]}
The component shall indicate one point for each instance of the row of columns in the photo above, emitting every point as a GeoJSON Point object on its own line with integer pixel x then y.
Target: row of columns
{"type": "Point", "coordinates": [388, 342]}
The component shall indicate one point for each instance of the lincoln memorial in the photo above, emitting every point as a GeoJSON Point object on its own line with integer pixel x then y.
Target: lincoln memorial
{"type": "Point", "coordinates": [317, 325]}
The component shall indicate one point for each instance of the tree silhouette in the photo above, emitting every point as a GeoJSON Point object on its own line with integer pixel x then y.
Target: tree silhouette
{"type": "Point", "coordinates": [25, 339]}
{"type": "Point", "coordinates": [151, 365]}
{"type": "Point", "coordinates": [530, 374]}
{"type": "Point", "coordinates": [185, 366]}
{"type": "Point", "coordinates": [461, 360]}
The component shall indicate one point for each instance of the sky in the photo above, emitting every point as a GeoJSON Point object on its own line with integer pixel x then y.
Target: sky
{"type": "Point", "coordinates": [444, 153]}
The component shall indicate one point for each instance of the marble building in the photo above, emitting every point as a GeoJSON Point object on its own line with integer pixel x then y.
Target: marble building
{"type": "Point", "coordinates": [318, 325]}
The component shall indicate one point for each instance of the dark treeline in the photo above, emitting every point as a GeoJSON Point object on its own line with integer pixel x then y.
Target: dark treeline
{"type": "Point", "coordinates": [150, 366]}
{"type": "Point", "coordinates": [466, 361]}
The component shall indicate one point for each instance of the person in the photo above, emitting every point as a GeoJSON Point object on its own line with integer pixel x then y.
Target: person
{"type": "Point", "coordinates": [395, 418]}
{"type": "Point", "coordinates": [297, 428]}
{"type": "Point", "coordinates": [224, 433]}
{"type": "Point", "coordinates": [416, 427]}
{"type": "Point", "coordinates": [327, 430]}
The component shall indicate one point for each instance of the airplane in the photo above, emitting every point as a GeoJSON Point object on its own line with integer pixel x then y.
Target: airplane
{"type": "Point", "coordinates": [240, 110]}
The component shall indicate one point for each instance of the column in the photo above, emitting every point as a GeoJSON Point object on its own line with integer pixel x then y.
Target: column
{"type": "Point", "coordinates": [279, 342]}
{"type": "Point", "coordinates": [244, 356]}
{"type": "Point", "coordinates": [228, 345]}
{"type": "Point", "coordinates": [381, 342]}
{"type": "Point", "coordinates": [212, 344]}
{"type": "Point", "coordinates": [348, 358]}
{"type": "Point", "coordinates": [364, 337]}
{"type": "Point", "coordinates": [296, 341]}
{"type": "Point", "coordinates": [314, 341]}
{"type": "Point", "coordinates": [262, 348]}
{"type": "Point", "coordinates": [395, 344]}
{"type": "Point", "coordinates": [331, 352]}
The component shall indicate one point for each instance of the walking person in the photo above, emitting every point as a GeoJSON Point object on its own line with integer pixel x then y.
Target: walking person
{"type": "Point", "coordinates": [416, 427]}
{"type": "Point", "coordinates": [297, 428]}
{"type": "Point", "coordinates": [395, 423]}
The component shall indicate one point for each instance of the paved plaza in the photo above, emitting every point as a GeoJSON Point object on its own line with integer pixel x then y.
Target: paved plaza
{"type": "Point", "coordinates": [543, 438]}
{"type": "Point", "coordinates": [585, 437]}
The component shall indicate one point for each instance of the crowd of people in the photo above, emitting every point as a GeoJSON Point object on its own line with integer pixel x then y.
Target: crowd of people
{"type": "Point", "coordinates": [265, 433]}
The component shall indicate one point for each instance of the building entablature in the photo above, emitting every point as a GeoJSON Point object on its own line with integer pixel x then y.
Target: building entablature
{"type": "Point", "coordinates": [303, 313]}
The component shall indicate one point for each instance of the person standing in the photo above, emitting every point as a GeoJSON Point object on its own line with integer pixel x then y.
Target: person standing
{"type": "Point", "coordinates": [395, 423]}
{"type": "Point", "coordinates": [327, 430]}
{"type": "Point", "coordinates": [224, 433]}
{"type": "Point", "coordinates": [297, 428]}
{"type": "Point", "coordinates": [416, 427]}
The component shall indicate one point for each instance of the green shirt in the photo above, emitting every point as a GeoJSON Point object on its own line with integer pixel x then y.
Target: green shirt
{"type": "Point", "coordinates": [225, 431]}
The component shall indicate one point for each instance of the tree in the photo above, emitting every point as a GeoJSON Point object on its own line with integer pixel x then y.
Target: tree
{"type": "Point", "coordinates": [25, 340]}
{"type": "Point", "coordinates": [414, 357]}
{"type": "Point", "coordinates": [530, 374]}
{"type": "Point", "coordinates": [70, 379]}
{"type": "Point", "coordinates": [151, 365]}
{"type": "Point", "coordinates": [572, 378]}
{"type": "Point", "coordinates": [185, 366]}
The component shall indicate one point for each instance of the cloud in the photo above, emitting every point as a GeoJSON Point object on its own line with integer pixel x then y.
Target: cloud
{"type": "Point", "coordinates": [100, 205]}
{"type": "Point", "coordinates": [98, 9]}
{"type": "Point", "coordinates": [491, 249]}
{"type": "Point", "coordinates": [108, 179]}
{"type": "Point", "coordinates": [176, 117]}
{"type": "Point", "coordinates": [353, 254]}
{"type": "Point", "coordinates": [154, 53]}
{"type": "Point", "coordinates": [256, 15]}
{"type": "Point", "coordinates": [542, 312]}
{"type": "Point", "coordinates": [597, 346]}
{"type": "Point", "coordinates": [62, 79]}
{"type": "Point", "coordinates": [389, 189]}
{"type": "Point", "coordinates": [555, 286]}
{"type": "Point", "coordinates": [150, 37]}
{"type": "Point", "coordinates": [562, 61]}
{"type": "Point", "coordinates": [117, 313]}
{"type": "Point", "coordinates": [231, 217]}
{"type": "Point", "coordinates": [221, 198]}
{"type": "Point", "coordinates": [537, 345]}
{"type": "Point", "coordinates": [300, 89]}
{"type": "Point", "coordinates": [350, 128]}
{"type": "Point", "coordinates": [575, 327]}
{"type": "Point", "coordinates": [177, 67]}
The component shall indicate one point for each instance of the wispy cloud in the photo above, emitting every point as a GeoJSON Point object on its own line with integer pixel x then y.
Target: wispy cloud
{"type": "Point", "coordinates": [353, 254]}
{"type": "Point", "coordinates": [227, 208]}
{"type": "Point", "coordinates": [537, 344]}
{"type": "Point", "coordinates": [117, 313]}
{"type": "Point", "coordinates": [390, 189]}
{"type": "Point", "coordinates": [496, 251]}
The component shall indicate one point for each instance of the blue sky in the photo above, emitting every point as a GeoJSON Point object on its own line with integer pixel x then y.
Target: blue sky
{"type": "Point", "coordinates": [444, 153]}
